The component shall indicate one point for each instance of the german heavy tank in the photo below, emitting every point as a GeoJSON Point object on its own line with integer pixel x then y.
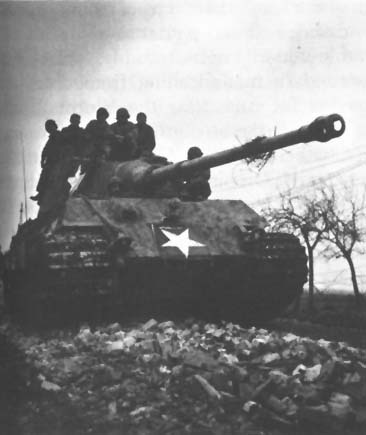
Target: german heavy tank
{"type": "Point", "coordinates": [144, 249]}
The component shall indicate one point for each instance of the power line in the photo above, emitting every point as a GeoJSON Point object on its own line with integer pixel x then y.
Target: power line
{"type": "Point", "coordinates": [329, 175]}
{"type": "Point", "coordinates": [312, 183]}
{"type": "Point", "coordinates": [291, 174]}
{"type": "Point", "coordinates": [320, 180]}
{"type": "Point", "coordinates": [309, 168]}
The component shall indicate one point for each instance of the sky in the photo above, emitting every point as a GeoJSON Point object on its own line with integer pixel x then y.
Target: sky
{"type": "Point", "coordinates": [209, 73]}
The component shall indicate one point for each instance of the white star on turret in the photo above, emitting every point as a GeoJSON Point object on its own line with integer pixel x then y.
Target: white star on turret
{"type": "Point", "coordinates": [180, 241]}
{"type": "Point", "coordinates": [75, 180]}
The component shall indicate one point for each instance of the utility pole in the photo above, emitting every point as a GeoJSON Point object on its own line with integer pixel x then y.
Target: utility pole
{"type": "Point", "coordinates": [24, 178]}
{"type": "Point", "coordinates": [21, 214]}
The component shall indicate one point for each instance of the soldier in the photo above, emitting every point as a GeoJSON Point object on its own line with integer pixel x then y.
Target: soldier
{"type": "Point", "coordinates": [99, 132]}
{"type": "Point", "coordinates": [124, 146]}
{"type": "Point", "coordinates": [197, 187]}
{"type": "Point", "coordinates": [75, 138]}
{"type": "Point", "coordinates": [145, 136]}
{"type": "Point", "coordinates": [52, 153]}
{"type": "Point", "coordinates": [114, 187]}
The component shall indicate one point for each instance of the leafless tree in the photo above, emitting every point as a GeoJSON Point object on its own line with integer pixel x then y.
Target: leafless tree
{"type": "Point", "coordinates": [301, 215]}
{"type": "Point", "coordinates": [343, 212]}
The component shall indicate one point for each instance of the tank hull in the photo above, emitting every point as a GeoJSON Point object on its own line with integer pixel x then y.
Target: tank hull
{"type": "Point", "coordinates": [209, 259]}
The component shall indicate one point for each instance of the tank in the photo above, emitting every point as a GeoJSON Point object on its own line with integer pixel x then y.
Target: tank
{"type": "Point", "coordinates": [145, 250]}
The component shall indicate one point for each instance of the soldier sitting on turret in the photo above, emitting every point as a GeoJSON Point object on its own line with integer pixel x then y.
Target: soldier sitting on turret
{"type": "Point", "coordinates": [75, 137]}
{"type": "Point", "coordinates": [52, 154]}
{"type": "Point", "coordinates": [100, 134]}
{"type": "Point", "coordinates": [145, 136]}
{"type": "Point", "coordinates": [197, 187]}
{"type": "Point", "coordinates": [124, 145]}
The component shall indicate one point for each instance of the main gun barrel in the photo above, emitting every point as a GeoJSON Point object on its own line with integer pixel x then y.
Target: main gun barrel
{"type": "Point", "coordinates": [322, 129]}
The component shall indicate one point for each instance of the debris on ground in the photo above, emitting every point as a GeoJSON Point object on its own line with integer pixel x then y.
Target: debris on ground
{"type": "Point", "coordinates": [194, 377]}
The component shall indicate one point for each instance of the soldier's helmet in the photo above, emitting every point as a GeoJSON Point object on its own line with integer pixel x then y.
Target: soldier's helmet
{"type": "Point", "coordinates": [122, 113]}
{"type": "Point", "coordinates": [194, 152]}
{"type": "Point", "coordinates": [75, 118]}
{"type": "Point", "coordinates": [115, 180]}
{"type": "Point", "coordinates": [114, 186]}
{"type": "Point", "coordinates": [50, 125]}
{"type": "Point", "coordinates": [102, 113]}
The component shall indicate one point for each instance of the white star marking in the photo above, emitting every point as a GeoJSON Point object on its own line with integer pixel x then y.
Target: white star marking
{"type": "Point", "coordinates": [75, 180]}
{"type": "Point", "coordinates": [180, 241]}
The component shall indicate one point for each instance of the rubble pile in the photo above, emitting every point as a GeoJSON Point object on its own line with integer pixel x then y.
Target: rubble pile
{"type": "Point", "coordinates": [201, 378]}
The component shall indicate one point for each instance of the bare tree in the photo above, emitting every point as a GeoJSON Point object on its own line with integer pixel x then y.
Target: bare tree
{"type": "Point", "coordinates": [302, 216]}
{"type": "Point", "coordinates": [344, 214]}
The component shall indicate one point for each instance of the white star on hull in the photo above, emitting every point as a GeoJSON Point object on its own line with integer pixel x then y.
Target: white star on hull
{"type": "Point", "coordinates": [180, 241]}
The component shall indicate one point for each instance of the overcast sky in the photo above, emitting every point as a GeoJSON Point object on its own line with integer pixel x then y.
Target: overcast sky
{"type": "Point", "coordinates": [207, 73]}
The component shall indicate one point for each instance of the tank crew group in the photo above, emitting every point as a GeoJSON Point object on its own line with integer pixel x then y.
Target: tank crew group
{"type": "Point", "coordinates": [123, 140]}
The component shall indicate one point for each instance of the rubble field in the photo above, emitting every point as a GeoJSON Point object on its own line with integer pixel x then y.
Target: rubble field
{"type": "Point", "coordinates": [185, 377]}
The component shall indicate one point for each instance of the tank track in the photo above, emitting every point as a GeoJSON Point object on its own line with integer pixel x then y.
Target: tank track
{"type": "Point", "coordinates": [74, 280]}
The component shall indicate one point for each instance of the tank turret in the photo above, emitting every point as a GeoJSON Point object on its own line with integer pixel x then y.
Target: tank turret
{"type": "Point", "coordinates": [146, 177]}
{"type": "Point", "coordinates": [126, 243]}
{"type": "Point", "coordinates": [321, 129]}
